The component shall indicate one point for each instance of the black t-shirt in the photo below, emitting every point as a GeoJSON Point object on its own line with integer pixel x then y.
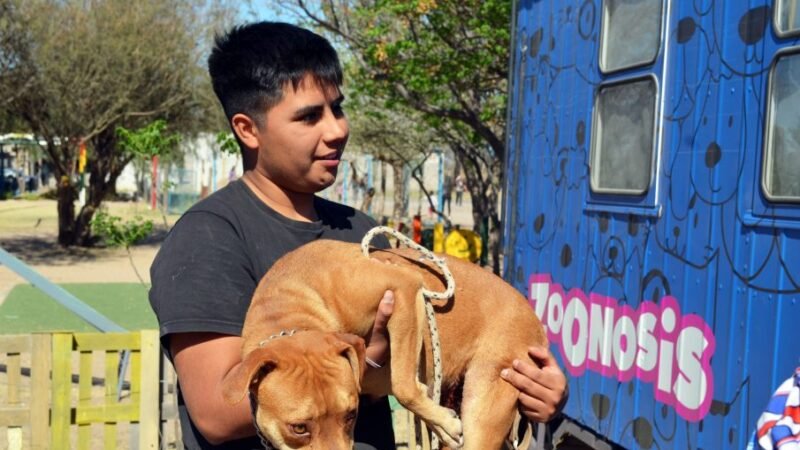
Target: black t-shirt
{"type": "Point", "coordinates": [210, 264]}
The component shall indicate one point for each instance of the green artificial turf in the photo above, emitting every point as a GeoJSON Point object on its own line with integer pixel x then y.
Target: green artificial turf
{"type": "Point", "coordinates": [27, 309]}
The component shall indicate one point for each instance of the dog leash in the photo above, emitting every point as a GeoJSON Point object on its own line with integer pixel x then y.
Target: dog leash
{"type": "Point", "coordinates": [451, 287]}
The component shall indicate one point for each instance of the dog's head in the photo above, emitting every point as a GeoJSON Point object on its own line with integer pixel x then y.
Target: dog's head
{"type": "Point", "coordinates": [306, 388]}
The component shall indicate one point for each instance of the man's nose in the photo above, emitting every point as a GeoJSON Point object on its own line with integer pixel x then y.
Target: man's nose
{"type": "Point", "coordinates": [336, 128]}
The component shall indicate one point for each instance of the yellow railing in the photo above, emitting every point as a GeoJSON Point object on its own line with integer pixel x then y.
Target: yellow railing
{"type": "Point", "coordinates": [79, 406]}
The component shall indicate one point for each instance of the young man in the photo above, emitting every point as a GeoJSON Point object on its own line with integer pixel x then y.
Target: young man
{"type": "Point", "coordinates": [279, 87]}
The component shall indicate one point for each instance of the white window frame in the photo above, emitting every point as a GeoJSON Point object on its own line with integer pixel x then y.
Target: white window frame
{"type": "Point", "coordinates": [603, 47]}
{"type": "Point", "coordinates": [776, 19]}
{"type": "Point", "coordinates": [597, 138]}
{"type": "Point", "coordinates": [768, 149]}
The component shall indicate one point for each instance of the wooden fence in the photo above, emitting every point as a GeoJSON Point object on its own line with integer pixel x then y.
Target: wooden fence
{"type": "Point", "coordinates": [63, 390]}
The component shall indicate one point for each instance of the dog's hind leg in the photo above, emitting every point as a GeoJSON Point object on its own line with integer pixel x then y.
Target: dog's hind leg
{"type": "Point", "coordinates": [405, 335]}
{"type": "Point", "coordinates": [487, 409]}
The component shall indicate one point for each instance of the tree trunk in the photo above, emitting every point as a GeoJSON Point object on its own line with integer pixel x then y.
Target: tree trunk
{"type": "Point", "coordinates": [483, 185]}
{"type": "Point", "coordinates": [83, 225]}
{"type": "Point", "coordinates": [400, 207]}
{"type": "Point", "coordinates": [67, 194]}
{"type": "Point", "coordinates": [484, 206]}
{"type": "Point", "coordinates": [97, 191]}
{"type": "Point", "coordinates": [105, 166]}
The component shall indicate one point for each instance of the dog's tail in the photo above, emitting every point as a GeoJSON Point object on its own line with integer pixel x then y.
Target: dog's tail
{"type": "Point", "coordinates": [513, 436]}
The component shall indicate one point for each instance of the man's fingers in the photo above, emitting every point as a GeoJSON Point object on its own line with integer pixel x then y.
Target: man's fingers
{"type": "Point", "coordinates": [385, 310]}
{"type": "Point", "coordinates": [537, 402]}
{"type": "Point", "coordinates": [378, 339]}
{"type": "Point", "coordinates": [518, 379]}
{"type": "Point", "coordinates": [534, 409]}
{"type": "Point", "coordinates": [542, 356]}
{"type": "Point", "coordinates": [529, 370]}
{"type": "Point", "coordinates": [527, 377]}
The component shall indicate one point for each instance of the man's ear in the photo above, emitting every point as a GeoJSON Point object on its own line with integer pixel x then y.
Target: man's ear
{"type": "Point", "coordinates": [246, 130]}
{"type": "Point", "coordinates": [256, 365]}
{"type": "Point", "coordinates": [353, 348]}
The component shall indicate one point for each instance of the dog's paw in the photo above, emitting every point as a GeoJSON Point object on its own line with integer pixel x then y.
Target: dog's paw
{"type": "Point", "coordinates": [451, 431]}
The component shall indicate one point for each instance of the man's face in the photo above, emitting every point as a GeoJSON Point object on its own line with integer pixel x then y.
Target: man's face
{"type": "Point", "coordinates": [302, 137]}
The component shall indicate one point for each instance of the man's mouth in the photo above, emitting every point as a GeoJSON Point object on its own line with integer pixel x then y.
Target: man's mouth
{"type": "Point", "coordinates": [329, 157]}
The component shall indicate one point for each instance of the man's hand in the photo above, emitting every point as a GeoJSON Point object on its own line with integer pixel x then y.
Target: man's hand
{"type": "Point", "coordinates": [378, 339]}
{"type": "Point", "coordinates": [542, 386]}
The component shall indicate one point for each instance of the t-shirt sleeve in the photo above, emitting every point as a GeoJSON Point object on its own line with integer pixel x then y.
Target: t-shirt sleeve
{"type": "Point", "coordinates": [380, 241]}
{"type": "Point", "coordinates": [202, 278]}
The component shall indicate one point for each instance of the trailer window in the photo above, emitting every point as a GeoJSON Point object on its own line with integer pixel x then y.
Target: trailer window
{"type": "Point", "coordinates": [631, 33]}
{"type": "Point", "coordinates": [623, 137]}
{"type": "Point", "coordinates": [781, 168]}
{"type": "Point", "coordinates": [787, 14]}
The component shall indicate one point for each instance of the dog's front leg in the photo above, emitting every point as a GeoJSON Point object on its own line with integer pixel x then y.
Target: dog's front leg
{"type": "Point", "coordinates": [405, 335]}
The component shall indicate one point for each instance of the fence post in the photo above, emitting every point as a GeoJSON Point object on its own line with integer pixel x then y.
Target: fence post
{"type": "Point", "coordinates": [61, 394]}
{"type": "Point", "coordinates": [40, 390]}
{"type": "Point", "coordinates": [149, 420]}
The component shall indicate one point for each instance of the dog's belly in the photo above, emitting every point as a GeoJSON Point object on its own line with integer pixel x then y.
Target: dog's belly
{"type": "Point", "coordinates": [486, 322]}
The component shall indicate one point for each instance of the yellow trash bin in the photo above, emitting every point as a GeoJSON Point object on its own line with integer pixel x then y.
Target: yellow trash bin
{"type": "Point", "coordinates": [438, 238]}
{"type": "Point", "coordinates": [464, 244]}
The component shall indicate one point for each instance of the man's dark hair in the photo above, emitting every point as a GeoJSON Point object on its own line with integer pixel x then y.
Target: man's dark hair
{"type": "Point", "coordinates": [251, 64]}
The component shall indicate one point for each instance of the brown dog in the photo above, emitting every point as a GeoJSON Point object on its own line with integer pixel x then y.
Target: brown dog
{"type": "Point", "coordinates": [307, 384]}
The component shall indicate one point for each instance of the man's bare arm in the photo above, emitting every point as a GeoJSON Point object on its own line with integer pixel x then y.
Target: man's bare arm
{"type": "Point", "coordinates": [202, 360]}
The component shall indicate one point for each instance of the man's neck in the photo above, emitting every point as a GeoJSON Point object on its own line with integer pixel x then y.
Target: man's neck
{"type": "Point", "coordinates": [293, 205]}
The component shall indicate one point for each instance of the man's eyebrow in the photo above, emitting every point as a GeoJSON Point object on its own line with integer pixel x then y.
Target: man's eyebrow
{"type": "Point", "coordinates": [306, 110]}
{"type": "Point", "coordinates": [314, 109]}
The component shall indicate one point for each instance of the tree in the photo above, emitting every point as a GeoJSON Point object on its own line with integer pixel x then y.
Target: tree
{"type": "Point", "coordinates": [117, 233]}
{"type": "Point", "coordinates": [74, 70]}
{"type": "Point", "coordinates": [446, 59]}
{"type": "Point", "coordinates": [400, 139]}
{"type": "Point", "coordinates": [147, 144]}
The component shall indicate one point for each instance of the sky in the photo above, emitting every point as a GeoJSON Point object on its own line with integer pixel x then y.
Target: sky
{"type": "Point", "coordinates": [258, 10]}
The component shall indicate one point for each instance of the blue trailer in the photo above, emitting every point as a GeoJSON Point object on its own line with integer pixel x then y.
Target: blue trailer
{"type": "Point", "coordinates": [652, 210]}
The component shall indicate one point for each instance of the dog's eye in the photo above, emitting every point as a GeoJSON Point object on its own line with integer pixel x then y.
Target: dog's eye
{"type": "Point", "coordinates": [350, 417]}
{"type": "Point", "coordinates": [299, 428]}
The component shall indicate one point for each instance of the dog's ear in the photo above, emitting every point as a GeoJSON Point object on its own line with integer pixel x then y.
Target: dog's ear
{"type": "Point", "coordinates": [256, 365]}
{"type": "Point", "coordinates": [353, 348]}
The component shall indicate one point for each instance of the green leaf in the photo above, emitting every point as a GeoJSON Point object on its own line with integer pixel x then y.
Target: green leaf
{"type": "Point", "coordinates": [116, 233]}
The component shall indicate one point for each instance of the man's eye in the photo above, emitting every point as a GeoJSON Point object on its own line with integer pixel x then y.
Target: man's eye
{"type": "Point", "coordinates": [338, 110]}
{"type": "Point", "coordinates": [310, 118]}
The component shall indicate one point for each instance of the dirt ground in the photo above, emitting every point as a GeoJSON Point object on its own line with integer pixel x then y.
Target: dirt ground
{"type": "Point", "coordinates": [28, 230]}
{"type": "Point", "coordinates": [73, 265]}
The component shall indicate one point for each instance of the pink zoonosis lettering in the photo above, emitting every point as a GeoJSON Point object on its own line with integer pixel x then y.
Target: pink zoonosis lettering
{"type": "Point", "coordinates": [654, 343]}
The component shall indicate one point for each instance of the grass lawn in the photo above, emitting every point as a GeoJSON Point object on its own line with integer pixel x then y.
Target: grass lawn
{"type": "Point", "coordinates": [26, 309]}
{"type": "Point", "coordinates": [32, 216]}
